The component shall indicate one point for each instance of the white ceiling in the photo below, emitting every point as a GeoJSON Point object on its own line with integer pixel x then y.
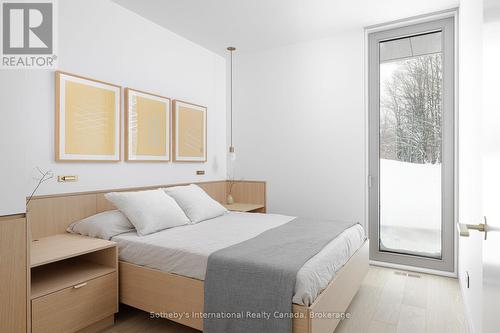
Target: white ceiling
{"type": "Point", "coordinates": [253, 25]}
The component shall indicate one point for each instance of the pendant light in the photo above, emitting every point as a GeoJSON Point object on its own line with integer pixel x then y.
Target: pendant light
{"type": "Point", "coordinates": [232, 153]}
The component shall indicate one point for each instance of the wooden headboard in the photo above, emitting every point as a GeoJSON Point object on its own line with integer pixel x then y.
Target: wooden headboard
{"type": "Point", "coordinates": [52, 214]}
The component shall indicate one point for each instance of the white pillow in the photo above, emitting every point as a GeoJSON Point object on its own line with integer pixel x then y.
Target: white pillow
{"type": "Point", "coordinates": [195, 202]}
{"type": "Point", "coordinates": [149, 211]}
{"type": "Point", "coordinates": [104, 225]}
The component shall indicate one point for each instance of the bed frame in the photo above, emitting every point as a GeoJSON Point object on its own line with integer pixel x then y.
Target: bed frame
{"type": "Point", "coordinates": [166, 294]}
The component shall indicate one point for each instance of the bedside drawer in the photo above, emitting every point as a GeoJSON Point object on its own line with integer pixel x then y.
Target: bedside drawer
{"type": "Point", "coordinates": [74, 308]}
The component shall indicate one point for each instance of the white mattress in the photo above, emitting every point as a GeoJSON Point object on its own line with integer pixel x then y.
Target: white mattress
{"type": "Point", "coordinates": [184, 250]}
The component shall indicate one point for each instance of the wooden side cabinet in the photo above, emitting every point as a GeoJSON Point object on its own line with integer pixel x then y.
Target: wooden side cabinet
{"type": "Point", "coordinates": [13, 274]}
{"type": "Point", "coordinates": [74, 284]}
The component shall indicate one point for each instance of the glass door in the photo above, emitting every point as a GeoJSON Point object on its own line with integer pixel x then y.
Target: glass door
{"type": "Point", "coordinates": [412, 145]}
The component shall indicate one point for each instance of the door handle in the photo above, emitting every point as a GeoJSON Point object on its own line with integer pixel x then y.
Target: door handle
{"type": "Point", "coordinates": [463, 228]}
{"type": "Point", "coordinates": [78, 286]}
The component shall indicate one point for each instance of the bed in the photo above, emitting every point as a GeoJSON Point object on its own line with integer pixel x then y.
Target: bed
{"type": "Point", "coordinates": [164, 272]}
{"type": "Point", "coordinates": [168, 279]}
{"type": "Point", "coordinates": [184, 251]}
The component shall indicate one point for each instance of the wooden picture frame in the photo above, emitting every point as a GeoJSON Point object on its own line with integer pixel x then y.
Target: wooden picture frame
{"type": "Point", "coordinates": [189, 124]}
{"type": "Point", "coordinates": [88, 119]}
{"type": "Point", "coordinates": [147, 127]}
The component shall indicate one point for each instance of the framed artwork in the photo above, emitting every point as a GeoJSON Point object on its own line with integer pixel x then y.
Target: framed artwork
{"type": "Point", "coordinates": [189, 132]}
{"type": "Point", "coordinates": [87, 119]}
{"type": "Point", "coordinates": [147, 126]}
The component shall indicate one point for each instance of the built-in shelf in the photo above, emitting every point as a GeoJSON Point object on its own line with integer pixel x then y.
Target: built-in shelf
{"type": "Point", "coordinates": [243, 207]}
{"type": "Point", "coordinates": [59, 247]}
{"type": "Point", "coordinates": [52, 277]}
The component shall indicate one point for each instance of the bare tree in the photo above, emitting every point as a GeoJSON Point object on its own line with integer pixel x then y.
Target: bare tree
{"type": "Point", "coordinates": [411, 111]}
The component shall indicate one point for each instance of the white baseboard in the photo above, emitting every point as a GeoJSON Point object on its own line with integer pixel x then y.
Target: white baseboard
{"type": "Point", "coordinates": [413, 269]}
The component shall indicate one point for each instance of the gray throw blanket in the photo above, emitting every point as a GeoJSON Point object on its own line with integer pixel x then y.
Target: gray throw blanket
{"type": "Point", "coordinates": [249, 286]}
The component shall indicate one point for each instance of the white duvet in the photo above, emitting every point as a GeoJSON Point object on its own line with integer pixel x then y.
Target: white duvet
{"type": "Point", "coordinates": [184, 250]}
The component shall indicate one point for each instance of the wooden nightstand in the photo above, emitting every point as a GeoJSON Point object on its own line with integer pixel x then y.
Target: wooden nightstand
{"type": "Point", "coordinates": [74, 284]}
{"type": "Point", "coordinates": [245, 207]}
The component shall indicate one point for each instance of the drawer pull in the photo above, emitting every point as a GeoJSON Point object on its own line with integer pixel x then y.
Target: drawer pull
{"type": "Point", "coordinates": [80, 285]}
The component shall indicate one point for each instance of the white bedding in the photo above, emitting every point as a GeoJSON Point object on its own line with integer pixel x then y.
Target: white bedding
{"type": "Point", "coordinates": [184, 250]}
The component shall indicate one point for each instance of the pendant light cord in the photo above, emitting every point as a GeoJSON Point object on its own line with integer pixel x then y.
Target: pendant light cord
{"type": "Point", "coordinates": [231, 101]}
{"type": "Point", "coordinates": [231, 49]}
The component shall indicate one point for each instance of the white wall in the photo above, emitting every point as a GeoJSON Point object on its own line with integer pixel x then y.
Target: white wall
{"type": "Point", "coordinates": [102, 40]}
{"type": "Point", "coordinates": [12, 142]}
{"type": "Point", "coordinates": [299, 124]}
{"type": "Point", "coordinates": [470, 109]}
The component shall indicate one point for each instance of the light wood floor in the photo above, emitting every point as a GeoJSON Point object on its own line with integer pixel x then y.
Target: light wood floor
{"type": "Point", "coordinates": [387, 302]}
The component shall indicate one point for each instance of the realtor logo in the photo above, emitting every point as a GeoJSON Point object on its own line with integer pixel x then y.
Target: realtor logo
{"type": "Point", "coordinates": [28, 34]}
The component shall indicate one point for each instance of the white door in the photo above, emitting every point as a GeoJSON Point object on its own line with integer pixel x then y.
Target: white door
{"type": "Point", "coordinates": [491, 167]}
{"type": "Point", "coordinates": [479, 161]}
{"type": "Point", "coordinates": [469, 157]}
